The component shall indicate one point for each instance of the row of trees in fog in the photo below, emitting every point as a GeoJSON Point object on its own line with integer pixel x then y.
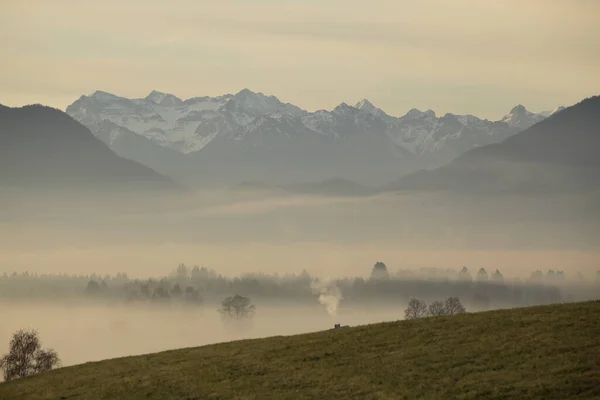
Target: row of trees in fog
{"type": "Point", "coordinates": [198, 285]}
{"type": "Point", "coordinates": [419, 309]}
{"type": "Point", "coordinates": [380, 271]}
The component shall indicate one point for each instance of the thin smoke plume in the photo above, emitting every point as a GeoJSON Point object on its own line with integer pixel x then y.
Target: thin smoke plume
{"type": "Point", "coordinates": [329, 293]}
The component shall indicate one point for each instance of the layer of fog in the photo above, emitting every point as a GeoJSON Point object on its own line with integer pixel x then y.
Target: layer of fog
{"type": "Point", "coordinates": [87, 332]}
{"type": "Point", "coordinates": [236, 232]}
{"type": "Point", "coordinates": [243, 232]}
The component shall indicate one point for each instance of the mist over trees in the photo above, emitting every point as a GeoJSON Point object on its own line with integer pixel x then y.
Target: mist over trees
{"type": "Point", "coordinates": [380, 271]}
{"type": "Point", "coordinates": [419, 309]}
{"type": "Point", "coordinates": [237, 307]}
{"type": "Point", "coordinates": [195, 286]}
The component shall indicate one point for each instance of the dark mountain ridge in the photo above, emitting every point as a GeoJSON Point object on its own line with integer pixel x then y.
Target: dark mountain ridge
{"type": "Point", "coordinates": [43, 147]}
{"type": "Point", "coordinates": [560, 153]}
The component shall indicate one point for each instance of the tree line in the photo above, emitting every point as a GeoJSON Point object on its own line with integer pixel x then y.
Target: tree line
{"type": "Point", "coordinates": [197, 285]}
{"type": "Point", "coordinates": [418, 308]}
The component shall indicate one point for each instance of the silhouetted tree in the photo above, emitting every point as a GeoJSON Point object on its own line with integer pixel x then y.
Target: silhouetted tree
{"type": "Point", "coordinates": [497, 276]}
{"type": "Point", "coordinates": [237, 307]}
{"type": "Point", "coordinates": [191, 294]}
{"type": "Point", "coordinates": [537, 276]}
{"type": "Point", "coordinates": [161, 293]}
{"type": "Point", "coordinates": [92, 287]}
{"type": "Point", "coordinates": [464, 274]}
{"type": "Point", "coordinates": [182, 273]}
{"type": "Point", "coordinates": [195, 274]}
{"type": "Point", "coordinates": [453, 306]}
{"type": "Point", "coordinates": [176, 291]}
{"type": "Point", "coordinates": [416, 309]}
{"type": "Point", "coordinates": [26, 357]}
{"type": "Point", "coordinates": [145, 290]}
{"type": "Point", "coordinates": [437, 309]}
{"type": "Point", "coordinates": [380, 271]}
{"type": "Point", "coordinates": [482, 275]}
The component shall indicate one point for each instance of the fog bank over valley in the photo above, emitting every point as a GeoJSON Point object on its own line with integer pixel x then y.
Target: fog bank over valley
{"type": "Point", "coordinates": [273, 232]}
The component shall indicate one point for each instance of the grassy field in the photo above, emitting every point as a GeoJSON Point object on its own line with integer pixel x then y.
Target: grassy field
{"type": "Point", "coordinates": [550, 352]}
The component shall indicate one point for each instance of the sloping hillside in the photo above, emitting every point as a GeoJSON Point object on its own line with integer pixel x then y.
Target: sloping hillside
{"type": "Point", "coordinates": [549, 352]}
{"type": "Point", "coordinates": [44, 147]}
{"type": "Point", "coordinates": [561, 153]}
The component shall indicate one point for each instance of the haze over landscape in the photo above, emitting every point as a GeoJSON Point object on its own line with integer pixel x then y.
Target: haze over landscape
{"type": "Point", "coordinates": [212, 172]}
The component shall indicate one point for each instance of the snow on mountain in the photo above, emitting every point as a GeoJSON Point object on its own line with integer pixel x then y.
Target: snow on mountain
{"type": "Point", "coordinates": [249, 120]}
{"type": "Point", "coordinates": [164, 99]}
{"type": "Point", "coordinates": [186, 126]}
{"type": "Point", "coordinates": [552, 112]}
{"type": "Point", "coordinates": [366, 106]}
{"type": "Point", "coordinates": [346, 121]}
{"type": "Point", "coordinates": [521, 118]}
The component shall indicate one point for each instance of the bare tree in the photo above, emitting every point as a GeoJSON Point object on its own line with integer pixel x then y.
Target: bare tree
{"type": "Point", "coordinates": [237, 307]}
{"type": "Point", "coordinates": [437, 309]}
{"type": "Point", "coordinates": [26, 356]}
{"type": "Point", "coordinates": [416, 309]}
{"type": "Point", "coordinates": [453, 306]}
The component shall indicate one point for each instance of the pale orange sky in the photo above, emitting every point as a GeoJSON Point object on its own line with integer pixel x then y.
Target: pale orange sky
{"type": "Point", "coordinates": [462, 56]}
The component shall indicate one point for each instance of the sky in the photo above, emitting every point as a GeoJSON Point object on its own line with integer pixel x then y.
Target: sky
{"type": "Point", "coordinates": [461, 56]}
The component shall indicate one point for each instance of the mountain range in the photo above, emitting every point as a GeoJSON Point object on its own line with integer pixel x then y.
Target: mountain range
{"type": "Point", "coordinates": [560, 153]}
{"type": "Point", "coordinates": [250, 136]}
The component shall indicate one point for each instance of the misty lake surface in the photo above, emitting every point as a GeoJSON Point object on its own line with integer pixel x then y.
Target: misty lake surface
{"type": "Point", "coordinates": [82, 332]}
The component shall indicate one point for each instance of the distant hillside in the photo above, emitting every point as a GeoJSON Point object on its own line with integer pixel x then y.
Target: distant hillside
{"type": "Point", "coordinates": [43, 147]}
{"type": "Point", "coordinates": [549, 353]}
{"type": "Point", "coordinates": [560, 153]}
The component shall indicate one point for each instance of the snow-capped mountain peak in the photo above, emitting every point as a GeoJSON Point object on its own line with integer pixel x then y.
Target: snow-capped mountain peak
{"type": "Point", "coordinates": [519, 109]}
{"type": "Point", "coordinates": [164, 99]}
{"type": "Point", "coordinates": [367, 107]}
{"type": "Point", "coordinates": [344, 109]}
{"type": "Point", "coordinates": [552, 112]}
{"type": "Point", "coordinates": [416, 114]}
{"type": "Point", "coordinates": [103, 96]}
{"type": "Point", "coordinates": [257, 103]}
{"type": "Point", "coordinates": [521, 118]}
{"type": "Point", "coordinates": [189, 126]}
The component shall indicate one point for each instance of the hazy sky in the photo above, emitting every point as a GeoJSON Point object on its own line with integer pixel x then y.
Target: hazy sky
{"type": "Point", "coordinates": [464, 56]}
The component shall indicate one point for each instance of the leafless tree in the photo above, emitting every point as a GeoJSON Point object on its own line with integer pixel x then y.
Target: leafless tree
{"type": "Point", "coordinates": [26, 356]}
{"type": "Point", "coordinates": [237, 307]}
{"type": "Point", "coordinates": [416, 309]}
{"type": "Point", "coordinates": [453, 306]}
{"type": "Point", "coordinates": [437, 309]}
